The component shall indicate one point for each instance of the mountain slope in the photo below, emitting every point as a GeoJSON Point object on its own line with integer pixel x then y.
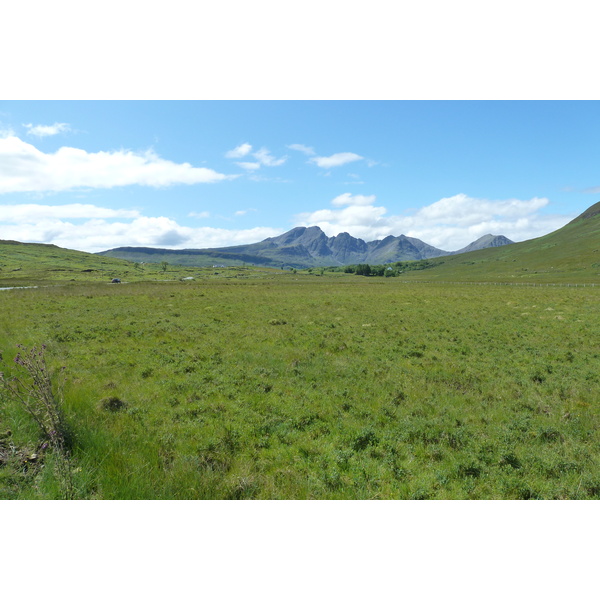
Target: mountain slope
{"type": "Point", "coordinates": [23, 264]}
{"type": "Point", "coordinates": [300, 247]}
{"type": "Point", "coordinates": [570, 254]}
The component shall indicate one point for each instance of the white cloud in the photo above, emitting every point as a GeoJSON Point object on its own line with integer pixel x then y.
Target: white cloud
{"type": "Point", "coordinates": [249, 166]}
{"type": "Point", "coordinates": [302, 148]}
{"type": "Point", "coordinates": [125, 228]}
{"type": "Point", "coordinates": [24, 168]}
{"type": "Point", "coordinates": [200, 215]}
{"type": "Point", "coordinates": [349, 199]}
{"type": "Point", "coordinates": [31, 213]}
{"type": "Point", "coordinates": [239, 151]}
{"type": "Point", "coordinates": [335, 160]}
{"type": "Point", "coordinates": [365, 222]}
{"type": "Point", "coordinates": [46, 130]}
{"type": "Point", "coordinates": [463, 210]}
{"type": "Point", "coordinates": [265, 158]}
{"type": "Point", "coordinates": [450, 223]}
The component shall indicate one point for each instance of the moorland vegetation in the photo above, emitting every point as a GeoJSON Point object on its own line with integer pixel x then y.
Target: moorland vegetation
{"type": "Point", "coordinates": [248, 383]}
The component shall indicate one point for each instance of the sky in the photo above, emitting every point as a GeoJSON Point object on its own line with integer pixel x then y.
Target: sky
{"type": "Point", "coordinates": [94, 175]}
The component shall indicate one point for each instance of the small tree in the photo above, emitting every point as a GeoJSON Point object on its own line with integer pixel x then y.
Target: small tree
{"type": "Point", "coordinates": [163, 265]}
{"type": "Point", "coordinates": [363, 270]}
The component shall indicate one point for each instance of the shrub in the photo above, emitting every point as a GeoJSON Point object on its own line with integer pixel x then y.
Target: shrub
{"type": "Point", "coordinates": [34, 392]}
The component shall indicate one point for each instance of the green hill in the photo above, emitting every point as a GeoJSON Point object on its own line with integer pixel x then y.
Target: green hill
{"type": "Point", "coordinates": [25, 264]}
{"type": "Point", "coordinates": [192, 258]}
{"type": "Point", "coordinates": [30, 264]}
{"type": "Point", "coordinates": [570, 254]}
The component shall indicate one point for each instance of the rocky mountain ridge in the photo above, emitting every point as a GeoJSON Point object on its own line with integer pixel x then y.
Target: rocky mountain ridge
{"type": "Point", "coordinates": [304, 247]}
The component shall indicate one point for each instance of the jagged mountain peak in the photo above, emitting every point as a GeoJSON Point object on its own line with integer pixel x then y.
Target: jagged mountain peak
{"type": "Point", "coordinates": [297, 235]}
{"type": "Point", "coordinates": [303, 247]}
{"type": "Point", "coordinates": [486, 241]}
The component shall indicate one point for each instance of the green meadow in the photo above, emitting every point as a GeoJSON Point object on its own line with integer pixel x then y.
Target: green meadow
{"type": "Point", "coordinates": [263, 384]}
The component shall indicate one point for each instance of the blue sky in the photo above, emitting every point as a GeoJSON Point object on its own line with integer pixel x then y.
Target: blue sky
{"type": "Point", "coordinates": [92, 175]}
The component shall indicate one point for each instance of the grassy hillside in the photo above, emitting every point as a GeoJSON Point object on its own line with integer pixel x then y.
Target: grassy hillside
{"type": "Point", "coordinates": [191, 258]}
{"type": "Point", "coordinates": [570, 254]}
{"type": "Point", "coordinates": [44, 264]}
{"type": "Point", "coordinates": [26, 264]}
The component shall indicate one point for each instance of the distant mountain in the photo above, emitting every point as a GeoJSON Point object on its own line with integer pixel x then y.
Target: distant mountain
{"type": "Point", "coordinates": [487, 241]}
{"type": "Point", "coordinates": [303, 247]}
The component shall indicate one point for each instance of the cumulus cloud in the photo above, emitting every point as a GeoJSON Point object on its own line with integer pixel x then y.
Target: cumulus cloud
{"type": "Point", "coordinates": [93, 229]}
{"type": "Point", "coordinates": [239, 151]}
{"type": "Point", "coordinates": [349, 199]}
{"type": "Point", "coordinates": [249, 166]}
{"type": "Point", "coordinates": [264, 157]}
{"type": "Point", "coordinates": [450, 223]}
{"type": "Point", "coordinates": [463, 210]}
{"type": "Point", "coordinates": [31, 213]}
{"type": "Point", "coordinates": [46, 130]}
{"type": "Point", "coordinates": [335, 160]}
{"type": "Point", "coordinates": [24, 168]}
{"type": "Point", "coordinates": [327, 162]}
{"type": "Point", "coordinates": [365, 222]}
{"type": "Point", "coordinates": [302, 148]}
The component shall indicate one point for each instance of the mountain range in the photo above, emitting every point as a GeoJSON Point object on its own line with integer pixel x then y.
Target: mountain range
{"type": "Point", "coordinates": [304, 247]}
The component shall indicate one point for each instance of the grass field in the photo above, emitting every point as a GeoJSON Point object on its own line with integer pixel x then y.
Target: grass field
{"type": "Point", "coordinates": [269, 385]}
